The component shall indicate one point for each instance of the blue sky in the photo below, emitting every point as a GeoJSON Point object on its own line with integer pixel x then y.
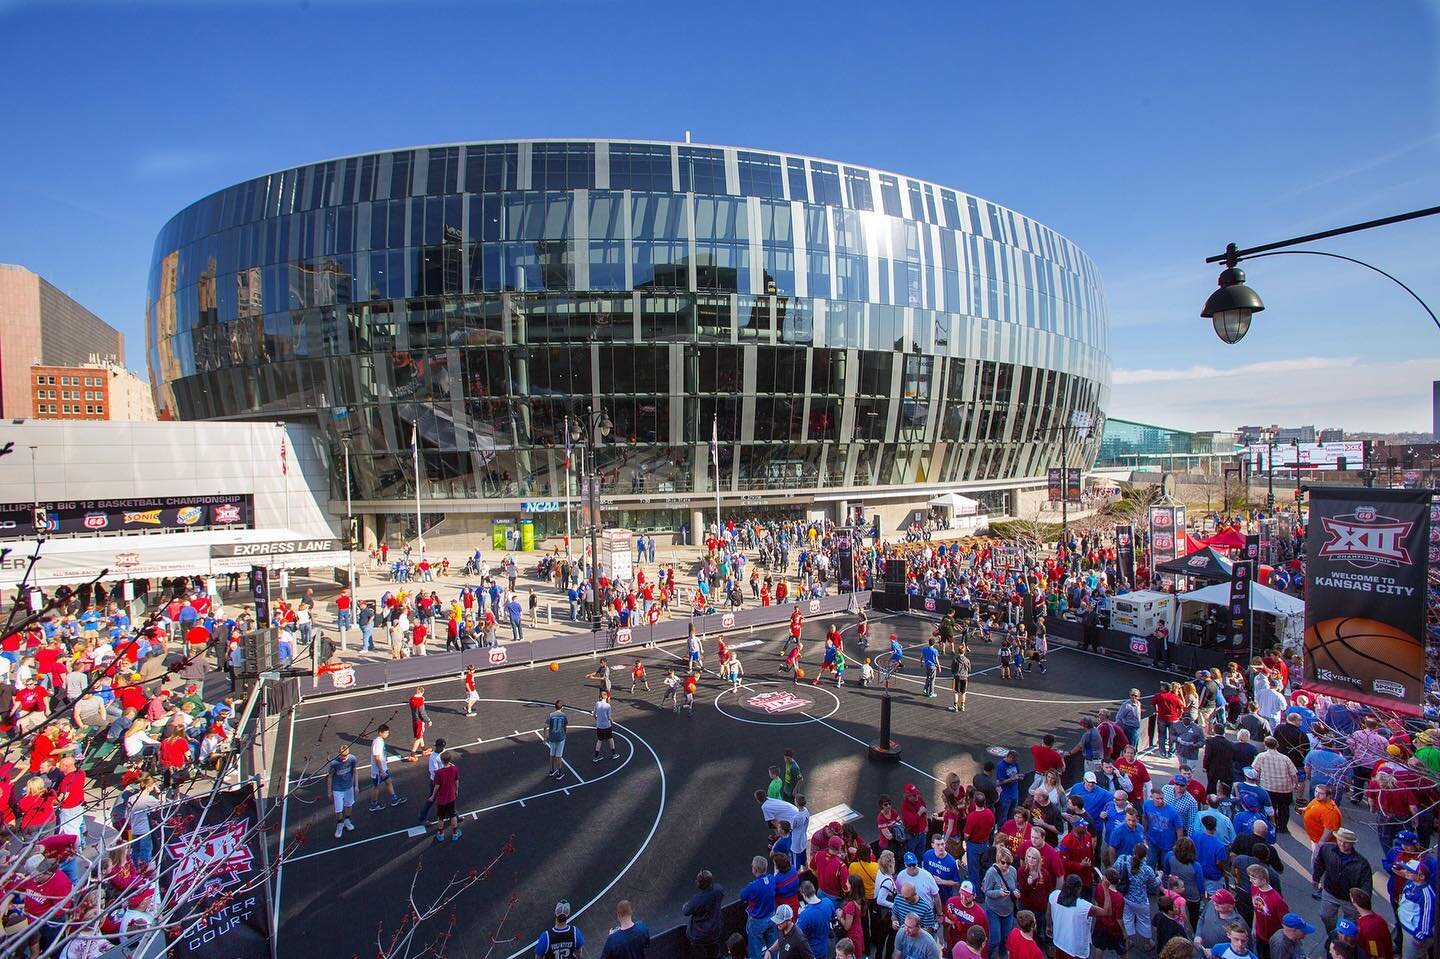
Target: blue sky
{"type": "Point", "coordinates": [1149, 133]}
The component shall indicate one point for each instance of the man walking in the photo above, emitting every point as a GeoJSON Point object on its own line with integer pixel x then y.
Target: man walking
{"type": "Point", "coordinates": [432, 766]}
{"type": "Point", "coordinates": [930, 657]}
{"type": "Point", "coordinates": [340, 780]}
{"type": "Point", "coordinates": [515, 614]}
{"type": "Point", "coordinates": [380, 782]}
{"type": "Point", "coordinates": [472, 698]}
{"type": "Point", "coordinates": [960, 677]}
{"type": "Point", "coordinates": [1339, 868]}
{"type": "Point", "coordinates": [604, 732]}
{"type": "Point", "coordinates": [790, 777]}
{"type": "Point", "coordinates": [444, 792]}
{"type": "Point", "coordinates": [555, 726]}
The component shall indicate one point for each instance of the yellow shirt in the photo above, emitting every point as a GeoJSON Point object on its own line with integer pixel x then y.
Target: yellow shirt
{"type": "Point", "coordinates": [867, 872]}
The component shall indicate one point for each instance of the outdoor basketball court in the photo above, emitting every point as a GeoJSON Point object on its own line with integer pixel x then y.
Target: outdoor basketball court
{"type": "Point", "coordinates": [678, 798]}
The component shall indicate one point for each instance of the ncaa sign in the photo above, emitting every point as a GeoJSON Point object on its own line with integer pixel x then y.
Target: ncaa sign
{"type": "Point", "coordinates": [930, 603]}
{"type": "Point", "coordinates": [497, 656]}
{"type": "Point", "coordinates": [727, 620]}
{"type": "Point", "coordinates": [814, 605]}
{"type": "Point", "coordinates": [622, 636]}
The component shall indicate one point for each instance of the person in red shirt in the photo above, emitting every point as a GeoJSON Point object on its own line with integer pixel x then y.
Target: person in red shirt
{"type": "Point", "coordinates": [1138, 772]}
{"type": "Point", "coordinates": [418, 633]}
{"type": "Point", "coordinates": [45, 888]}
{"type": "Point", "coordinates": [71, 795]}
{"type": "Point", "coordinates": [1077, 849]}
{"type": "Point", "coordinates": [829, 867]}
{"type": "Point", "coordinates": [1046, 757]}
{"type": "Point", "coordinates": [31, 705]}
{"type": "Point", "coordinates": [1168, 707]}
{"type": "Point", "coordinates": [1270, 907]}
{"type": "Point", "coordinates": [1372, 934]}
{"type": "Point", "coordinates": [962, 913]}
{"type": "Point", "coordinates": [37, 806]}
{"type": "Point", "coordinates": [979, 827]}
{"type": "Point", "coordinates": [419, 719]}
{"type": "Point", "coordinates": [445, 792]}
{"type": "Point", "coordinates": [174, 758]}
{"type": "Point", "coordinates": [1021, 944]}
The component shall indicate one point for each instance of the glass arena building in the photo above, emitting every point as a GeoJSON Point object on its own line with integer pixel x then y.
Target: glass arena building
{"type": "Point", "coordinates": [857, 334]}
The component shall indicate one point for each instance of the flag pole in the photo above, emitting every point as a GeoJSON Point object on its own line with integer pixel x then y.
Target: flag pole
{"type": "Point", "coordinates": [415, 461]}
{"type": "Point", "coordinates": [715, 455]}
{"type": "Point", "coordinates": [567, 487]}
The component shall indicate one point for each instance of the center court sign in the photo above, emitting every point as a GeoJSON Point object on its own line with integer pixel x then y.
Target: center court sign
{"type": "Point", "coordinates": [780, 701]}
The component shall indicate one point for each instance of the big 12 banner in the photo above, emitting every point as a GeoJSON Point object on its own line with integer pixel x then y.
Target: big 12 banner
{"type": "Point", "coordinates": [1125, 552]}
{"type": "Point", "coordinates": [1368, 553]}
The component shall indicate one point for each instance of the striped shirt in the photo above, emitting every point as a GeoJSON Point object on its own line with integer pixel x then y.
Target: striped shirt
{"type": "Point", "coordinates": [902, 907]}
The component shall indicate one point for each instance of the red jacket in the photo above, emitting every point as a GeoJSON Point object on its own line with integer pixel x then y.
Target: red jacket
{"type": "Point", "coordinates": [1167, 707]}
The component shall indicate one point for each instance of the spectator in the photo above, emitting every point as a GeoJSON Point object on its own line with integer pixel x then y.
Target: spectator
{"type": "Point", "coordinates": [703, 920]}
{"type": "Point", "coordinates": [629, 938]}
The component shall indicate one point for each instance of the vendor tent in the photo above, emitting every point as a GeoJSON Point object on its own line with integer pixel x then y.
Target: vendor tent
{"type": "Point", "coordinates": [1193, 544]}
{"type": "Point", "coordinates": [957, 504]}
{"type": "Point", "coordinates": [1206, 564]}
{"type": "Point", "coordinates": [1229, 538]}
{"type": "Point", "coordinates": [1263, 599]}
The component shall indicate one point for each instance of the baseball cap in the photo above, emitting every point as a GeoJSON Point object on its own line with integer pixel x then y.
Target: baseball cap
{"type": "Point", "coordinates": [910, 859]}
{"type": "Point", "coordinates": [1090, 777]}
{"type": "Point", "coordinates": [782, 914]}
{"type": "Point", "coordinates": [1407, 836]}
{"type": "Point", "coordinates": [1293, 920]}
{"type": "Point", "coordinates": [1224, 896]}
{"type": "Point", "coordinates": [1250, 773]}
{"type": "Point", "coordinates": [968, 886]}
{"type": "Point", "coordinates": [1346, 927]}
{"type": "Point", "coordinates": [562, 908]}
{"type": "Point", "coordinates": [1414, 865]}
{"type": "Point", "coordinates": [836, 842]}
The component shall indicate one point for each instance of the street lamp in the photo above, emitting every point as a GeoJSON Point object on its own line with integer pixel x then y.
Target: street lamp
{"type": "Point", "coordinates": [1231, 306]}
{"type": "Point", "coordinates": [349, 540]}
{"type": "Point", "coordinates": [1064, 432]}
{"type": "Point", "coordinates": [582, 431]}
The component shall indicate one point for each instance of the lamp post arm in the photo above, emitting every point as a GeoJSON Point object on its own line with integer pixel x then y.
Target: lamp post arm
{"type": "Point", "coordinates": [1323, 235]}
{"type": "Point", "coordinates": [1350, 259]}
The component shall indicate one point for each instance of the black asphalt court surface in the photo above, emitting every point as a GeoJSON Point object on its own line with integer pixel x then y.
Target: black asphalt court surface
{"type": "Point", "coordinates": [677, 799]}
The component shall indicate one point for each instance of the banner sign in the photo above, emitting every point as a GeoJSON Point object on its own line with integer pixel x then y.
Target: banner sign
{"type": "Point", "coordinates": [279, 547]}
{"type": "Point", "coordinates": [1310, 456]}
{"type": "Point", "coordinates": [127, 515]}
{"type": "Point", "coordinates": [212, 854]}
{"type": "Point", "coordinates": [542, 506]}
{"type": "Point", "coordinates": [1053, 484]}
{"type": "Point", "coordinates": [1073, 484]}
{"type": "Point", "coordinates": [844, 562]}
{"type": "Point", "coordinates": [1167, 535]}
{"type": "Point", "coordinates": [1125, 552]}
{"type": "Point", "coordinates": [1242, 574]}
{"type": "Point", "coordinates": [1252, 547]}
{"type": "Point", "coordinates": [1368, 553]}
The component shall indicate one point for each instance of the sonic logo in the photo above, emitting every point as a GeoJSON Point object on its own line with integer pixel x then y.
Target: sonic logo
{"type": "Point", "coordinates": [148, 517]}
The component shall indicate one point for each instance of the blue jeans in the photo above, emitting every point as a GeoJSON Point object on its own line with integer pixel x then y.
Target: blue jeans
{"type": "Point", "coordinates": [1168, 733]}
{"type": "Point", "coordinates": [759, 934]}
{"type": "Point", "coordinates": [1000, 927]}
{"type": "Point", "coordinates": [367, 638]}
{"type": "Point", "coordinates": [515, 631]}
{"type": "Point", "coordinates": [1007, 806]}
{"type": "Point", "coordinates": [974, 852]}
{"type": "Point", "coordinates": [343, 619]}
{"type": "Point", "coordinates": [1132, 733]}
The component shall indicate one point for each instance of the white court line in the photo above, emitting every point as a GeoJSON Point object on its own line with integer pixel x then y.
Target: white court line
{"type": "Point", "coordinates": [475, 813]}
{"type": "Point", "coordinates": [567, 765]}
{"type": "Point", "coordinates": [530, 947]}
{"type": "Point", "coordinates": [399, 757]}
{"type": "Point", "coordinates": [284, 812]}
{"type": "Point", "coordinates": [828, 725]}
{"type": "Point", "coordinates": [428, 702]}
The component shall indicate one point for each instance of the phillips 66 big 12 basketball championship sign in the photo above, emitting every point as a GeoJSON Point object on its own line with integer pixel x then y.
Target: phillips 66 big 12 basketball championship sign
{"type": "Point", "coordinates": [1367, 558]}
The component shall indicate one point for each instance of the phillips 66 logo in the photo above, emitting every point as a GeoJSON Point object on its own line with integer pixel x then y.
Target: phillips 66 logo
{"type": "Point", "coordinates": [497, 656]}
{"type": "Point", "coordinates": [727, 620]}
{"type": "Point", "coordinates": [814, 605]}
{"type": "Point", "coordinates": [930, 603]}
{"type": "Point", "coordinates": [1161, 518]}
{"type": "Point", "coordinates": [622, 636]}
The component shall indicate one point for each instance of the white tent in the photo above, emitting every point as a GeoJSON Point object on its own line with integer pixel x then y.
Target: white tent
{"type": "Point", "coordinates": [1263, 599]}
{"type": "Point", "coordinates": [1288, 610]}
{"type": "Point", "coordinates": [957, 504]}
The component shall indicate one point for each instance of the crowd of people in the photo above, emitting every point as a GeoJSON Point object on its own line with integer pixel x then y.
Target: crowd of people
{"type": "Point", "coordinates": [104, 723]}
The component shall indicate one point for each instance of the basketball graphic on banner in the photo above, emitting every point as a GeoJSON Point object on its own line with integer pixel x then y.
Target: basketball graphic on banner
{"type": "Point", "coordinates": [1345, 648]}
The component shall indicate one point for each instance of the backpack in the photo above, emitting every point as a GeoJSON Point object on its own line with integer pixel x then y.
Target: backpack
{"type": "Point", "coordinates": [120, 812]}
{"type": "Point", "coordinates": [898, 833]}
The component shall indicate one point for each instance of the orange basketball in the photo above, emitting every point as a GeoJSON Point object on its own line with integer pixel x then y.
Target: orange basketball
{"type": "Point", "coordinates": [690, 686]}
{"type": "Point", "coordinates": [799, 673]}
{"type": "Point", "coordinates": [554, 667]}
{"type": "Point", "coordinates": [1369, 656]}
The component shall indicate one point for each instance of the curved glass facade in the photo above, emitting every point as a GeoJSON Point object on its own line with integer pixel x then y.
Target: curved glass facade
{"type": "Point", "coordinates": [850, 328]}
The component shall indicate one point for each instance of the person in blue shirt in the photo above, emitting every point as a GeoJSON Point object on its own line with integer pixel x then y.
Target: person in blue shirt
{"type": "Point", "coordinates": [563, 941]}
{"type": "Point", "coordinates": [942, 866]}
{"type": "Point", "coordinates": [930, 656]}
{"type": "Point", "coordinates": [1094, 799]}
{"type": "Point", "coordinates": [629, 938]}
{"type": "Point", "coordinates": [1211, 856]}
{"type": "Point", "coordinates": [1162, 826]}
{"type": "Point", "coordinates": [1324, 766]}
{"type": "Point", "coordinates": [759, 899]}
{"type": "Point", "coordinates": [1007, 777]}
{"type": "Point", "coordinates": [1125, 834]}
{"type": "Point", "coordinates": [1244, 820]}
{"type": "Point", "coordinates": [816, 914]}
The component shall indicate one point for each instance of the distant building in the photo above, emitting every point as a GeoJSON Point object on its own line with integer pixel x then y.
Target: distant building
{"type": "Point", "coordinates": [97, 390]}
{"type": "Point", "coordinates": [1435, 411]}
{"type": "Point", "coordinates": [1250, 435]}
{"type": "Point", "coordinates": [1332, 435]}
{"type": "Point", "coordinates": [42, 327]}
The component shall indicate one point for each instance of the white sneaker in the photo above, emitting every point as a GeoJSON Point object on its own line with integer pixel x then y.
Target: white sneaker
{"type": "Point", "coordinates": [339, 830]}
{"type": "Point", "coordinates": [349, 826]}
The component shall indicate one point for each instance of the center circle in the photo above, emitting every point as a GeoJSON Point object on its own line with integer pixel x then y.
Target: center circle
{"type": "Point", "coordinates": [775, 704]}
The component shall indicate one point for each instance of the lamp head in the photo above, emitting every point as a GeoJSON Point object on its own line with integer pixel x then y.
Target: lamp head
{"type": "Point", "coordinates": [1230, 307]}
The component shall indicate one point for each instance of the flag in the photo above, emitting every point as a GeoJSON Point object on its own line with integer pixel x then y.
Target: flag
{"type": "Point", "coordinates": [567, 442]}
{"type": "Point", "coordinates": [415, 441]}
{"type": "Point", "coordinates": [715, 441]}
{"type": "Point", "coordinates": [284, 463]}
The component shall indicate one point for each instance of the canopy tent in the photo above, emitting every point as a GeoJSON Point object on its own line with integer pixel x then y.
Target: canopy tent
{"type": "Point", "coordinates": [1263, 599]}
{"type": "Point", "coordinates": [1205, 564]}
{"type": "Point", "coordinates": [1229, 538]}
{"type": "Point", "coordinates": [1193, 544]}
{"type": "Point", "coordinates": [957, 504]}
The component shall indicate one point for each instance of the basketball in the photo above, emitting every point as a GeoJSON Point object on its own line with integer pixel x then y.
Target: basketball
{"type": "Point", "coordinates": [1379, 656]}
{"type": "Point", "coordinates": [690, 686]}
{"type": "Point", "coordinates": [799, 673]}
{"type": "Point", "coordinates": [554, 667]}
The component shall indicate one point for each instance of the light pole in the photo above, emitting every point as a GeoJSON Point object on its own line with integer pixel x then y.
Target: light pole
{"type": "Point", "coordinates": [1231, 307]}
{"type": "Point", "coordinates": [1296, 443]}
{"type": "Point", "coordinates": [1064, 432]}
{"type": "Point", "coordinates": [35, 498]}
{"type": "Point", "coordinates": [583, 428]}
{"type": "Point", "coordinates": [349, 539]}
{"type": "Point", "coordinates": [1270, 472]}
